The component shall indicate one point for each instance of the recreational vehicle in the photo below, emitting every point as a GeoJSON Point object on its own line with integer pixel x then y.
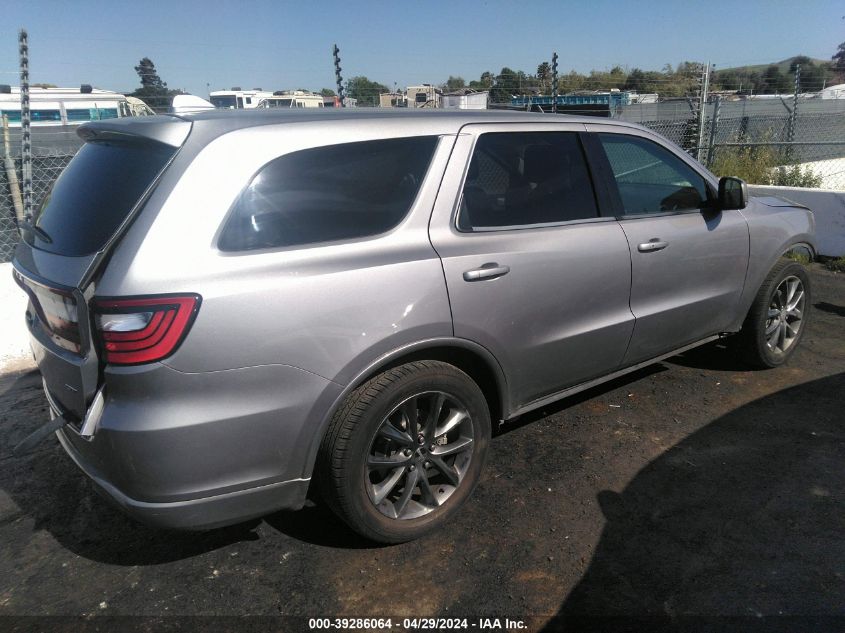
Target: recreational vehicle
{"type": "Point", "coordinates": [68, 106]}
{"type": "Point", "coordinates": [237, 99]}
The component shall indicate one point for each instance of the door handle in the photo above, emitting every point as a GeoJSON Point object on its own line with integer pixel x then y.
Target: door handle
{"type": "Point", "coordinates": [652, 245]}
{"type": "Point", "coordinates": [487, 271]}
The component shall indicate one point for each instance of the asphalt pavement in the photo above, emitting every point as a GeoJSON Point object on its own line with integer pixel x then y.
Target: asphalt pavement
{"type": "Point", "coordinates": [692, 489]}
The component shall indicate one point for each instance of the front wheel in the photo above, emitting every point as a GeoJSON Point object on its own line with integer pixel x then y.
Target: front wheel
{"type": "Point", "coordinates": [405, 451]}
{"type": "Point", "coordinates": [778, 317]}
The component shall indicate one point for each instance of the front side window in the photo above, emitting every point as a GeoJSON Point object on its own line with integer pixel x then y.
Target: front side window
{"type": "Point", "coordinates": [338, 192]}
{"type": "Point", "coordinates": [524, 178]}
{"type": "Point", "coordinates": [650, 178]}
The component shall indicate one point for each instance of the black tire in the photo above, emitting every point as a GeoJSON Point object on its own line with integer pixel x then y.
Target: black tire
{"type": "Point", "coordinates": [751, 344]}
{"type": "Point", "coordinates": [344, 471]}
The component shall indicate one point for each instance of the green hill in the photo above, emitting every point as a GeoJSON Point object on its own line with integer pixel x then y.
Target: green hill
{"type": "Point", "coordinates": [783, 65]}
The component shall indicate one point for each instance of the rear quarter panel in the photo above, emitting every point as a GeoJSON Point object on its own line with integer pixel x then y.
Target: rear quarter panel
{"type": "Point", "coordinates": [329, 309]}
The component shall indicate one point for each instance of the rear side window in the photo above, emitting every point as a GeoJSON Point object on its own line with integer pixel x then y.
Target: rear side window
{"type": "Point", "coordinates": [524, 178]}
{"type": "Point", "coordinates": [338, 192]}
{"type": "Point", "coordinates": [650, 178]}
{"type": "Point", "coordinates": [95, 194]}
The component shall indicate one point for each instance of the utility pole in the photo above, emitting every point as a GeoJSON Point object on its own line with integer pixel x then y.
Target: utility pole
{"type": "Point", "coordinates": [26, 135]}
{"type": "Point", "coordinates": [702, 101]}
{"type": "Point", "coordinates": [338, 78]}
{"type": "Point", "coordinates": [793, 116]}
{"type": "Point", "coordinates": [554, 82]}
{"type": "Point", "coordinates": [714, 126]}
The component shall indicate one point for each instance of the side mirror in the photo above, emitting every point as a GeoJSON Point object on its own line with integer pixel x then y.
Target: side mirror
{"type": "Point", "coordinates": [733, 193]}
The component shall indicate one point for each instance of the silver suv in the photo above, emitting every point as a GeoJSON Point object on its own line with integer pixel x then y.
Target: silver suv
{"type": "Point", "coordinates": [228, 307]}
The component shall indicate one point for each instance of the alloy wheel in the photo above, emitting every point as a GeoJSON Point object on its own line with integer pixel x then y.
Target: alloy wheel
{"type": "Point", "coordinates": [785, 316]}
{"type": "Point", "coordinates": [419, 455]}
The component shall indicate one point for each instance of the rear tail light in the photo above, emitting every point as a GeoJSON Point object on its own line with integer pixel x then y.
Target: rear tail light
{"type": "Point", "coordinates": [56, 310]}
{"type": "Point", "coordinates": [143, 330]}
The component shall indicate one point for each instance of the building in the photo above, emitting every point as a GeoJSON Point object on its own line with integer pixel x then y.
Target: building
{"type": "Point", "coordinates": [465, 100]}
{"type": "Point", "coordinates": [392, 100]}
{"type": "Point", "coordinates": [424, 96]}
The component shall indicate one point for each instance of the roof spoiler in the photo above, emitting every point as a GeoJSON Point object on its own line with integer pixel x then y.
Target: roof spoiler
{"type": "Point", "coordinates": [167, 129]}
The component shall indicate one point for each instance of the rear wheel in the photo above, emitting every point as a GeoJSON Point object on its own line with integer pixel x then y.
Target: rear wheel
{"type": "Point", "coordinates": [778, 317]}
{"type": "Point", "coordinates": [405, 451]}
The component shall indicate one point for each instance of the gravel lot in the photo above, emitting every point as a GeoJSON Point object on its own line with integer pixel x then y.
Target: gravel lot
{"type": "Point", "coordinates": [695, 487]}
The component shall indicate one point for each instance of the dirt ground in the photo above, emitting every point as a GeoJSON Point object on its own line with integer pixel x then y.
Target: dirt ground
{"type": "Point", "coordinates": [692, 488]}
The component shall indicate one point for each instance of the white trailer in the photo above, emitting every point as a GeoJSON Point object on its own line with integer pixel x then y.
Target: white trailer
{"type": "Point", "coordinates": [292, 99]}
{"type": "Point", "coordinates": [237, 99]}
{"type": "Point", "coordinates": [68, 106]}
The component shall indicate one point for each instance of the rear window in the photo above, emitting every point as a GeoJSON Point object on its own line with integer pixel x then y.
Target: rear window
{"type": "Point", "coordinates": [339, 192]}
{"type": "Point", "coordinates": [95, 194]}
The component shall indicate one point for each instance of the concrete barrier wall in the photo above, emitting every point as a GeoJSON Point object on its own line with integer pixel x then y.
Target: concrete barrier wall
{"type": "Point", "coordinates": [828, 207]}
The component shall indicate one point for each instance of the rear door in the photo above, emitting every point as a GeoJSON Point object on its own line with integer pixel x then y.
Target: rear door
{"type": "Point", "coordinates": [79, 218]}
{"type": "Point", "coordinates": [688, 260]}
{"type": "Point", "coordinates": [534, 273]}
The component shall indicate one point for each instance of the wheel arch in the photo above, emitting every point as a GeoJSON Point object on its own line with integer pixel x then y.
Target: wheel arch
{"type": "Point", "coordinates": [758, 276]}
{"type": "Point", "coordinates": [470, 357]}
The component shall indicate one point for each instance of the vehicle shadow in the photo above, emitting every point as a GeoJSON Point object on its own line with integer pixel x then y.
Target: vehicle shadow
{"type": "Point", "coordinates": [713, 356]}
{"type": "Point", "coordinates": [743, 518]}
{"type": "Point", "coordinates": [832, 308]}
{"type": "Point", "coordinates": [578, 398]}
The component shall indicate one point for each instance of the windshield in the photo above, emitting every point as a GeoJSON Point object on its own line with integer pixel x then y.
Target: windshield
{"type": "Point", "coordinates": [223, 101]}
{"type": "Point", "coordinates": [94, 195]}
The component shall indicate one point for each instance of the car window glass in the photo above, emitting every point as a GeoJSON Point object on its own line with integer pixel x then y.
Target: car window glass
{"type": "Point", "coordinates": [650, 178]}
{"type": "Point", "coordinates": [345, 191]}
{"type": "Point", "coordinates": [526, 178]}
{"type": "Point", "coordinates": [95, 194]}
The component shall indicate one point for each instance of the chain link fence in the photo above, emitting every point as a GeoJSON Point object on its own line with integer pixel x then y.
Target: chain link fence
{"type": "Point", "coordinates": [803, 149]}
{"type": "Point", "coordinates": [763, 136]}
{"type": "Point", "coordinates": [45, 170]}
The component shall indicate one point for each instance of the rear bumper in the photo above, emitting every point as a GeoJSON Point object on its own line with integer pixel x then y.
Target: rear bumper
{"type": "Point", "coordinates": [202, 450]}
{"type": "Point", "coordinates": [202, 513]}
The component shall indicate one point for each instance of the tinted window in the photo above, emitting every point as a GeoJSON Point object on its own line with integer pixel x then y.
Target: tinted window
{"type": "Point", "coordinates": [226, 101]}
{"type": "Point", "coordinates": [329, 193]}
{"type": "Point", "coordinates": [91, 114]}
{"type": "Point", "coordinates": [651, 179]}
{"type": "Point", "coordinates": [94, 194]}
{"type": "Point", "coordinates": [523, 178]}
{"type": "Point", "coordinates": [45, 115]}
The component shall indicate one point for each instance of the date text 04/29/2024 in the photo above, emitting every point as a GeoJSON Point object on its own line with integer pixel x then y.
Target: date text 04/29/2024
{"type": "Point", "coordinates": [412, 624]}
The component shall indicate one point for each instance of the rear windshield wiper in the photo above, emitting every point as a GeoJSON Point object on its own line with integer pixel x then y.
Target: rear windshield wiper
{"type": "Point", "coordinates": [41, 233]}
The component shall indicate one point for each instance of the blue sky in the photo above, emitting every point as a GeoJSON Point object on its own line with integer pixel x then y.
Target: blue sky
{"type": "Point", "coordinates": [285, 45]}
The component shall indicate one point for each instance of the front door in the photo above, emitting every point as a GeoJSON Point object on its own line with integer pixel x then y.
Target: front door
{"type": "Point", "coordinates": [688, 259]}
{"type": "Point", "coordinates": [534, 273]}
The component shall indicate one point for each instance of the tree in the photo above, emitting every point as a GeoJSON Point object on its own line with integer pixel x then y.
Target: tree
{"type": "Point", "coordinates": [146, 70]}
{"type": "Point", "coordinates": [544, 74]}
{"type": "Point", "coordinates": [453, 84]}
{"type": "Point", "coordinates": [507, 85]}
{"type": "Point", "coordinates": [773, 81]}
{"type": "Point", "coordinates": [153, 90]}
{"type": "Point", "coordinates": [635, 81]}
{"type": "Point", "coordinates": [366, 92]}
{"type": "Point", "coordinates": [838, 60]}
{"type": "Point", "coordinates": [484, 83]}
{"type": "Point", "coordinates": [327, 92]}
